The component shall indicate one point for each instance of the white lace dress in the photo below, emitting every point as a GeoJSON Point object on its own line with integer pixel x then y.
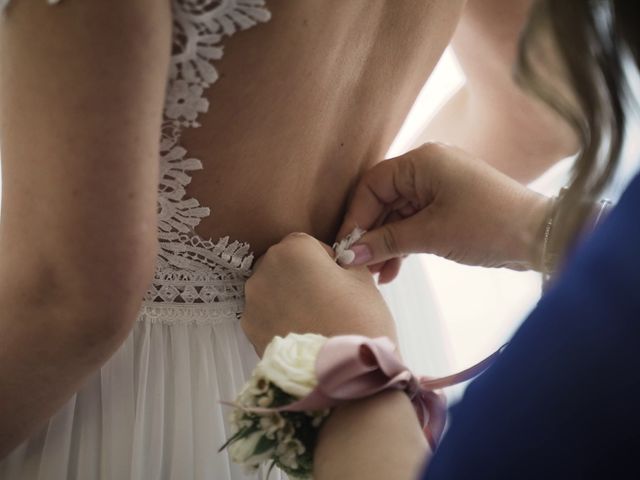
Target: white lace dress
{"type": "Point", "coordinates": [152, 412]}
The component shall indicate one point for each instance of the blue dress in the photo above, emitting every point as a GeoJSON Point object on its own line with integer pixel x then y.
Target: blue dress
{"type": "Point", "coordinates": [563, 400]}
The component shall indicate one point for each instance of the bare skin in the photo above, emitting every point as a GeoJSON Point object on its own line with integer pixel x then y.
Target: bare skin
{"type": "Point", "coordinates": [450, 203]}
{"type": "Point", "coordinates": [272, 296]}
{"type": "Point", "coordinates": [427, 194]}
{"type": "Point", "coordinates": [78, 232]}
{"type": "Point", "coordinates": [491, 115]}
{"type": "Point", "coordinates": [306, 103]}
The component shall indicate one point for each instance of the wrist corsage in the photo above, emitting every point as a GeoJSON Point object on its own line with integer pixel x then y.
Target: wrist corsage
{"type": "Point", "coordinates": [278, 414]}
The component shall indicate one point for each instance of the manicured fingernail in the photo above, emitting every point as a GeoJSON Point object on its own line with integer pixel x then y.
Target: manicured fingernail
{"type": "Point", "coordinates": [362, 254]}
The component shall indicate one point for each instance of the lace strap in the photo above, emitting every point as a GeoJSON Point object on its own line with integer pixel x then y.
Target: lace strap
{"type": "Point", "coordinates": [199, 30]}
{"type": "Point", "coordinates": [200, 27]}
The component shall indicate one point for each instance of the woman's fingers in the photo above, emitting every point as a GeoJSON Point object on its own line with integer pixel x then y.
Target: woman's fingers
{"type": "Point", "coordinates": [373, 198]}
{"type": "Point", "coordinates": [385, 202]}
{"type": "Point", "coordinates": [375, 269]}
{"type": "Point", "coordinates": [441, 200]}
{"type": "Point", "coordinates": [390, 270]}
{"type": "Point", "coordinates": [391, 241]}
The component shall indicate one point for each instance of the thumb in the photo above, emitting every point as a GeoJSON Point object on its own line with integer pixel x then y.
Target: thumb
{"type": "Point", "coordinates": [299, 239]}
{"type": "Point", "coordinates": [391, 240]}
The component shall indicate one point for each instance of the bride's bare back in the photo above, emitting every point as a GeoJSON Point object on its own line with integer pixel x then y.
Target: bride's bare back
{"type": "Point", "coordinates": [305, 103]}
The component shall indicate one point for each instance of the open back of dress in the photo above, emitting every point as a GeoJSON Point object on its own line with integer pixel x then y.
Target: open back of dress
{"type": "Point", "coordinates": [153, 411]}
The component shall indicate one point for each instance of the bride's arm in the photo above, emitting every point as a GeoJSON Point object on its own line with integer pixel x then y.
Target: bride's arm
{"type": "Point", "coordinates": [81, 92]}
{"type": "Point", "coordinates": [375, 438]}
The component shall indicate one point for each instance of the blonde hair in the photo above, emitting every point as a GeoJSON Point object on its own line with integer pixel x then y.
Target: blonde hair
{"type": "Point", "coordinates": [571, 57]}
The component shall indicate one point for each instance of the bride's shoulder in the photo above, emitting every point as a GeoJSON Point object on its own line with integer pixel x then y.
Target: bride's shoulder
{"type": "Point", "coordinates": [5, 3]}
{"type": "Point", "coordinates": [7, 6]}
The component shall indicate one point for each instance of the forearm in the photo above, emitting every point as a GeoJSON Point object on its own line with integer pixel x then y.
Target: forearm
{"type": "Point", "coordinates": [375, 438]}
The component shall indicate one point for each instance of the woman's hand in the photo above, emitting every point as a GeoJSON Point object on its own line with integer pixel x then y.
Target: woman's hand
{"type": "Point", "coordinates": [438, 199]}
{"type": "Point", "coordinates": [297, 287]}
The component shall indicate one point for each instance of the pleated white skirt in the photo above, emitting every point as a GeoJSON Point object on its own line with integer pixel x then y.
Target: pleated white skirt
{"type": "Point", "coordinates": [152, 412]}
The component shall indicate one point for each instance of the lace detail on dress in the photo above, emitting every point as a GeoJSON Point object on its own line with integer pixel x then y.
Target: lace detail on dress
{"type": "Point", "coordinates": [191, 269]}
{"type": "Point", "coordinates": [213, 314]}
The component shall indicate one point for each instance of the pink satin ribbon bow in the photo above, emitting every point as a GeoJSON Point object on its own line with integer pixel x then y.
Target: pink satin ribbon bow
{"type": "Point", "coordinates": [350, 367]}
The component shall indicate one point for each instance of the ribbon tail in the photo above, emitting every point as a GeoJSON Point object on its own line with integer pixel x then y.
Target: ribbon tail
{"type": "Point", "coordinates": [436, 405]}
{"type": "Point", "coordinates": [463, 376]}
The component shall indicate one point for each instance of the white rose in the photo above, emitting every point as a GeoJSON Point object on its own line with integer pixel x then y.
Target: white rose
{"type": "Point", "coordinates": [290, 362]}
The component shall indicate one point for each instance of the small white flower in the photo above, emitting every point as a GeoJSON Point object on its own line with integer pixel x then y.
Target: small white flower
{"type": "Point", "coordinates": [318, 417]}
{"type": "Point", "coordinates": [290, 362]}
{"type": "Point", "coordinates": [239, 420]}
{"type": "Point", "coordinates": [185, 101]}
{"type": "Point", "coordinates": [288, 453]}
{"type": "Point", "coordinates": [258, 385]}
{"type": "Point", "coordinates": [271, 424]}
{"type": "Point", "coordinates": [266, 399]}
{"type": "Point", "coordinates": [254, 462]}
{"type": "Point", "coordinates": [241, 450]}
{"type": "Point", "coordinates": [253, 391]}
{"type": "Point", "coordinates": [245, 399]}
{"type": "Point", "coordinates": [286, 433]}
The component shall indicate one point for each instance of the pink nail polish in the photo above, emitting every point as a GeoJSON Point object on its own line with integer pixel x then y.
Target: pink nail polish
{"type": "Point", "coordinates": [362, 254]}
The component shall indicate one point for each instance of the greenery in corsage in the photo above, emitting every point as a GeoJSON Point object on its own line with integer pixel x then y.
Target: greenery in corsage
{"type": "Point", "coordinates": [262, 434]}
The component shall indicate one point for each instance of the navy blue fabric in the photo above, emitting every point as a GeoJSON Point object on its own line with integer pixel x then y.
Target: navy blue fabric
{"type": "Point", "coordinates": [563, 400]}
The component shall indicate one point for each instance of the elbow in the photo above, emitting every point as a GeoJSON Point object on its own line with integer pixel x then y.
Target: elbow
{"type": "Point", "coordinates": [94, 303]}
{"type": "Point", "coordinates": [118, 293]}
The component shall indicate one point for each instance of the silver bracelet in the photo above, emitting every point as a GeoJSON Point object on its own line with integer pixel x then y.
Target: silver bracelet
{"type": "Point", "coordinates": [546, 272]}
{"type": "Point", "coordinates": [605, 204]}
{"type": "Point", "coordinates": [549, 258]}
